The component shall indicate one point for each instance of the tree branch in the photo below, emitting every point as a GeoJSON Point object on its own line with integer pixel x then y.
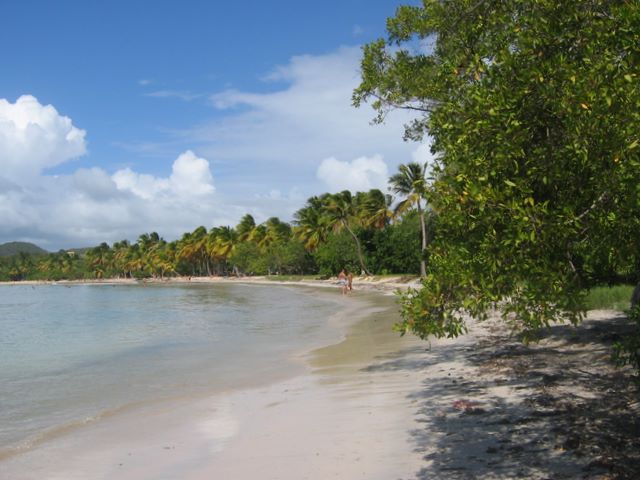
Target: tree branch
{"type": "Point", "coordinates": [599, 200]}
{"type": "Point", "coordinates": [394, 105]}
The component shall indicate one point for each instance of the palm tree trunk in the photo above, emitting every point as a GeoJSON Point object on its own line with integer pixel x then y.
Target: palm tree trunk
{"type": "Point", "coordinates": [423, 227]}
{"type": "Point", "coordinates": [359, 249]}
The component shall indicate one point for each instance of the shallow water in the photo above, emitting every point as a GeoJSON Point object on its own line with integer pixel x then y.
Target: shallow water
{"type": "Point", "coordinates": [72, 354]}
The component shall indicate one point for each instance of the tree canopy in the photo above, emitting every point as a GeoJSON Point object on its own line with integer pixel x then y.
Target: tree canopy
{"type": "Point", "coordinates": [533, 110]}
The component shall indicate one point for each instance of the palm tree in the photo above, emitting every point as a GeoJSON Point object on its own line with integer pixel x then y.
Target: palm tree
{"type": "Point", "coordinates": [100, 259]}
{"type": "Point", "coordinates": [245, 227]}
{"type": "Point", "coordinates": [311, 224]}
{"type": "Point", "coordinates": [277, 231]}
{"type": "Point", "coordinates": [410, 182]}
{"type": "Point", "coordinates": [150, 244]}
{"type": "Point", "coordinates": [193, 250]}
{"type": "Point", "coordinates": [375, 208]}
{"type": "Point", "coordinates": [120, 255]}
{"type": "Point", "coordinates": [226, 240]}
{"type": "Point", "coordinates": [135, 260]}
{"type": "Point", "coordinates": [258, 235]}
{"type": "Point", "coordinates": [161, 258]}
{"type": "Point", "coordinates": [342, 210]}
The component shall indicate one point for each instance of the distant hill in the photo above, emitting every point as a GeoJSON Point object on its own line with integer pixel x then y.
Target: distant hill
{"type": "Point", "coordinates": [13, 248]}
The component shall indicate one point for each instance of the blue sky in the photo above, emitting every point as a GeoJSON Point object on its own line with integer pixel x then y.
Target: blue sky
{"type": "Point", "coordinates": [137, 116]}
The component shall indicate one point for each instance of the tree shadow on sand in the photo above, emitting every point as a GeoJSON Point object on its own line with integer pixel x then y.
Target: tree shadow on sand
{"type": "Point", "coordinates": [499, 409]}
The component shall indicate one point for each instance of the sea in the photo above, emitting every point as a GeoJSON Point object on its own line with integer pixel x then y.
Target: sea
{"type": "Point", "coordinates": [71, 355]}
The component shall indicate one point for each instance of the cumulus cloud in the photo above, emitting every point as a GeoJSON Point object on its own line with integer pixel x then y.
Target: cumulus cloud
{"type": "Point", "coordinates": [361, 174]}
{"type": "Point", "coordinates": [190, 177]}
{"type": "Point", "coordinates": [34, 137]}
{"type": "Point", "coordinates": [90, 205]}
{"type": "Point", "coordinates": [94, 183]}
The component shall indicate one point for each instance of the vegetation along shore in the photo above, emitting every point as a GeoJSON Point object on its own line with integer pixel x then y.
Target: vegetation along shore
{"type": "Point", "coordinates": [516, 229]}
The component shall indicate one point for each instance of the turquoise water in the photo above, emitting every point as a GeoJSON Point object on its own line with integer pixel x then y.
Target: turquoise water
{"type": "Point", "coordinates": [71, 354]}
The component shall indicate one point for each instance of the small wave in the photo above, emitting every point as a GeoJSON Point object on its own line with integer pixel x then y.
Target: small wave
{"type": "Point", "coordinates": [58, 431]}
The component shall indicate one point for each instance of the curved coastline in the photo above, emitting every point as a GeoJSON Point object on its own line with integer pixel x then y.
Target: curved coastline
{"type": "Point", "coordinates": [378, 406]}
{"type": "Point", "coordinates": [179, 416]}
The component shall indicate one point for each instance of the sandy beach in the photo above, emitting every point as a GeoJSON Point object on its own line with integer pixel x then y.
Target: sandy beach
{"type": "Point", "coordinates": [379, 406]}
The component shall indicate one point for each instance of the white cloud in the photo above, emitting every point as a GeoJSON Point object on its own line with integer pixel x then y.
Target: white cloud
{"type": "Point", "coordinates": [361, 174]}
{"type": "Point", "coordinates": [142, 185]}
{"type": "Point", "coordinates": [305, 116]}
{"type": "Point", "coordinates": [95, 183]}
{"type": "Point", "coordinates": [90, 205]}
{"type": "Point", "coordinates": [190, 177]}
{"type": "Point", "coordinates": [34, 137]}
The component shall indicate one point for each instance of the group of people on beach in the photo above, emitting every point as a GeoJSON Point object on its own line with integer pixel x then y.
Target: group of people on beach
{"type": "Point", "coordinates": [345, 281]}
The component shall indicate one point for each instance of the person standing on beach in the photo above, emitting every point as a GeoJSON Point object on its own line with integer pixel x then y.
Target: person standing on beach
{"type": "Point", "coordinates": [350, 281]}
{"type": "Point", "coordinates": [342, 281]}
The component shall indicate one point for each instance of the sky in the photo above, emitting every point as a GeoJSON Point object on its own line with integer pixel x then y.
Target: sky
{"type": "Point", "coordinates": [124, 117]}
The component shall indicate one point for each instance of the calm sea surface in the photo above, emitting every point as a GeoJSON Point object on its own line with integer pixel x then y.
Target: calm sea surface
{"type": "Point", "coordinates": [71, 354]}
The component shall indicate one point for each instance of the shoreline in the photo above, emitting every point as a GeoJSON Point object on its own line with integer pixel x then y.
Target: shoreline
{"type": "Point", "coordinates": [126, 445]}
{"type": "Point", "coordinates": [388, 284]}
{"type": "Point", "coordinates": [480, 406]}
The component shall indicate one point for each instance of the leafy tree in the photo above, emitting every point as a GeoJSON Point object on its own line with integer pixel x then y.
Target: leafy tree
{"type": "Point", "coordinates": [396, 249]}
{"type": "Point", "coordinates": [534, 113]}
{"type": "Point", "coordinates": [336, 253]}
{"type": "Point", "coordinates": [288, 257]}
{"type": "Point", "coordinates": [247, 259]}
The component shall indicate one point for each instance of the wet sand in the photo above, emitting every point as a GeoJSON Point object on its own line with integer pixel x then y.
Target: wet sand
{"type": "Point", "coordinates": [380, 406]}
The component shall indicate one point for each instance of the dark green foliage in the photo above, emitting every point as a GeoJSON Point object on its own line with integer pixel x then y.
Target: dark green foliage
{"type": "Point", "coordinates": [248, 259]}
{"type": "Point", "coordinates": [396, 249]}
{"type": "Point", "coordinates": [336, 253]}
{"type": "Point", "coordinates": [288, 258]}
{"type": "Point", "coordinates": [534, 112]}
